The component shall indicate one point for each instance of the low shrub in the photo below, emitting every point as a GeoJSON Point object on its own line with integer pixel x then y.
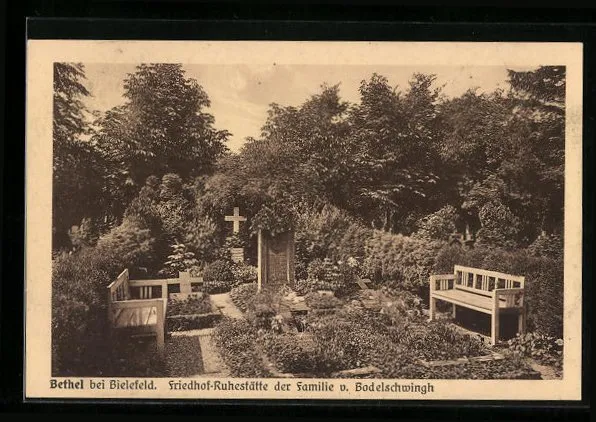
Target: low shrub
{"type": "Point", "coordinates": [243, 273]}
{"type": "Point", "coordinates": [548, 246]}
{"type": "Point", "coordinates": [216, 287]}
{"type": "Point", "coordinates": [291, 352]}
{"type": "Point", "coordinates": [439, 341]}
{"type": "Point", "coordinates": [262, 308]}
{"type": "Point", "coordinates": [385, 360]}
{"type": "Point", "coordinates": [402, 305]}
{"type": "Point", "coordinates": [347, 339]}
{"type": "Point", "coordinates": [80, 329]}
{"type": "Point", "coordinates": [302, 286]}
{"type": "Point", "coordinates": [237, 343]}
{"type": "Point", "coordinates": [544, 349]}
{"type": "Point", "coordinates": [243, 294]}
{"type": "Point", "coordinates": [219, 270]}
{"type": "Point", "coordinates": [219, 276]}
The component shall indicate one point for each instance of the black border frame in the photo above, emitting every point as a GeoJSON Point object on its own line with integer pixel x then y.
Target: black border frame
{"type": "Point", "coordinates": [354, 23]}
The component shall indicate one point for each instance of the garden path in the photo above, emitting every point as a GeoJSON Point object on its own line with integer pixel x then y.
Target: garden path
{"type": "Point", "coordinates": [213, 365]}
{"type": "Point", "coordinates": [224, 302]}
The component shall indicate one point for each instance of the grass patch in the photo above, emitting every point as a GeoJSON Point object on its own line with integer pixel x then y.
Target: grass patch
{"type": "Point", "coordinates": [183, 356]}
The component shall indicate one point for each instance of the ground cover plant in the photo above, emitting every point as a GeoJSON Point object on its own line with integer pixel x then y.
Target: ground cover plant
{"type": "Point", "coordinates": [397, 340]}
{"type": "Point", "coordinates": [236, 341]}
{"type": "Point", "coordinates": [242, 295]}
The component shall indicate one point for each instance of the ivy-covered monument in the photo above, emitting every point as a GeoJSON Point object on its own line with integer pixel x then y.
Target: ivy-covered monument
{"type": "Point", "coordinates": [276, 246]}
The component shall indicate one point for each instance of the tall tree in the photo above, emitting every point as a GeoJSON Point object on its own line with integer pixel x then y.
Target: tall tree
{"type": "Point", "coordinates": [396, 136]}
{"type": "Point", "coordinates": [161, 128]}
{"type": "Point", "coordinates": [77, 167]}
{"type": "Point", "coordinates": [539, 165]}
{"type": "Point", "coordinates": [507, 149]}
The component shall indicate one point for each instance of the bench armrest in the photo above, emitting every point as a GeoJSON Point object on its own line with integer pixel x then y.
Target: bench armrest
{"type": "Point", "coordinates": [442, 282]}
{"type": "Point", "coordinates": [514, 297]}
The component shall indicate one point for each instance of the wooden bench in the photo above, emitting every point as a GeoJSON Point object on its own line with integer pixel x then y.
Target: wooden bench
{"type": "Point", "coordinates": [139, 317]}
{"type": "Point", "coordinates": [484, 291]}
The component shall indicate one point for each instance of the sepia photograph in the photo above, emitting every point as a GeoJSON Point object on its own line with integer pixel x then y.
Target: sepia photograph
{"type": "Point", "coordinates": [282, 225]}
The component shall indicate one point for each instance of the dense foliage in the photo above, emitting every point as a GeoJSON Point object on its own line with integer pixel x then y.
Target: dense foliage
{"type": "Point", "coordinates": [80, 343]}
{"type": "Point", "coordinates": [398, 343]}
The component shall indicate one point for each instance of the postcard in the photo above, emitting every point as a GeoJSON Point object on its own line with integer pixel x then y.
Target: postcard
{"type": "Point", "coordinates": [303, 220]}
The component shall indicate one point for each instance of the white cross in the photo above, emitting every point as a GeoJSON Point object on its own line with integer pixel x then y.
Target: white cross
{"type": "Point", "coordinates": [236, 218]}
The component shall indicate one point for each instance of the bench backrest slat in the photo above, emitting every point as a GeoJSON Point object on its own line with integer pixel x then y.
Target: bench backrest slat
{"type": "Point", "coordinates": [119, 289]}
{"type": "Point", "coordinates": [484, 281]}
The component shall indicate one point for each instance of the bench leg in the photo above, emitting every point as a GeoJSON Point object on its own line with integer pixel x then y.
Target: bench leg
{"type": "Point", "coordinates": [454, 311]}
{"type": "Point", "coordinates": [433, 308]}
{"type": "Point", "coordinates": [494, 331]}
{"type": "Point", "coordinates": [521, 322]}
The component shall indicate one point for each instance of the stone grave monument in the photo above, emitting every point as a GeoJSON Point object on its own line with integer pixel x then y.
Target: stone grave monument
{"type": "Point", "coordinates": [236, 253]}
{"type": "Point", "coordinates": [276, 259]}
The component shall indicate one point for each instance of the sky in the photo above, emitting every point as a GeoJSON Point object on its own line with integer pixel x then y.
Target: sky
{"type": "Point", "coordinates": [240, 94]}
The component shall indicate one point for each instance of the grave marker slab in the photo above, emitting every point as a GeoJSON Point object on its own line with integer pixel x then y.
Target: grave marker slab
{"type": "Point", "coordinates": [276, 261]}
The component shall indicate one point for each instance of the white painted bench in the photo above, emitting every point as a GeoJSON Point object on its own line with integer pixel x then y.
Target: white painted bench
{"type": "Point", "coordinates": [142, 317]}
{"type": "Point", "coordinates": [140, 305]}
{"type": "Point", "coordinates": [489, 292]}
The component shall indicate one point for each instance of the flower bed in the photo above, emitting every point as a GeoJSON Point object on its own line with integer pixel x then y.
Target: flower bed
{"type": "Point", "coordinates": [295, 353]}
{"type": "Point", "coordinates": [544, 349]}
{"type": "Point", "coordinates": [397, 341]}
{"type": "Point", "coordinates": [190, 306]}
{"type": "Point", "coordinates": [352, 342]}
{"type": "Point", "coordinates": [192, 322]}
{"type": "Point", "coordinates": [192, 313]}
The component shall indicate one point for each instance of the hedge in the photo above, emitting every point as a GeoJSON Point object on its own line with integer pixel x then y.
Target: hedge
{"type": "Point", "coordinates": [398, 260]}
{"type": "Point", "coordinates": [192, 322]}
